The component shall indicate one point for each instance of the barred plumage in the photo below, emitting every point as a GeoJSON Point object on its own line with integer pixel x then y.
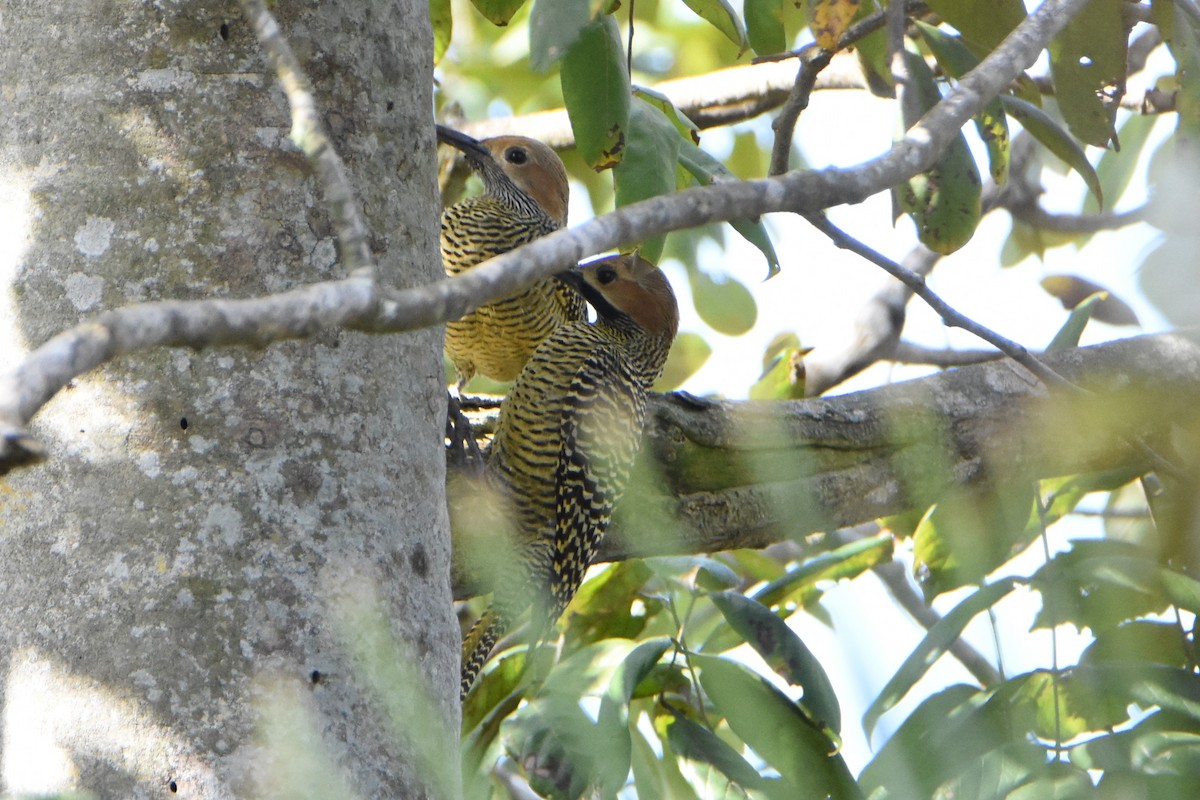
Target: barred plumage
{"type": "Point", "coordinates": [525, 196]}
{"type": "Point", "coordinates": [568, 434]}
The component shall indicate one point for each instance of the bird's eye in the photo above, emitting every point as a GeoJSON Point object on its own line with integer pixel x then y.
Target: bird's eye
{"type": "Point", "coordinates": [606, 275]}
{"type": "Point", "coordinates": [516, 155]}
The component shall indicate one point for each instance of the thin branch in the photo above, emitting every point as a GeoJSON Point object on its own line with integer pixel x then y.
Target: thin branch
{"type": "Point", "coordinates": [785, 124]}
{"type": "Point", "coordinates": [945, 357]}
{"type": "Point", "coordinates": [309, 134]}
{"type": "Point", "coordinates": [814, 60]}
{"type": "Point", "coordinates": [949, 315]}
{"type": "Point", "coordinates": [876, 330]}
{"type": "Point", "coordinates": [1033, 214]}
{"type": "Point", "coordinates": [720, 97]}
{"type": "Point", "coordinates": [896, 581]}
{"type": "Point", "coordinates": [51, 366]}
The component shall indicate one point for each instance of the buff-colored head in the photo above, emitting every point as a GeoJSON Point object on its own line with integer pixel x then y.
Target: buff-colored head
{"type": "Point", "coordinates": [516, 161]}
{"type": "Point", "coordinates": [628, 285]}
{"type": "Point", "coordinates": [536, 169]}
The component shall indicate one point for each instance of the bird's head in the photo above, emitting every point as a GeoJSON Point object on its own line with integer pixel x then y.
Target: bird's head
{"type": "Point", "coordinates": [531, 166]}
{"type": "Point", "coordinates": [627, 286]}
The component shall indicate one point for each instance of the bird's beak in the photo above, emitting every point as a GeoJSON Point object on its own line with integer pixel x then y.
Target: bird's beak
{"type": "Point", "coordinates": [572, 278]}
{"type": "Point", "coordinates": [460, 141]}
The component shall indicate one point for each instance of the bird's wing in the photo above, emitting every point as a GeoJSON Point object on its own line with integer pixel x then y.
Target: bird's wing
{"type": "Point", "coordinates": [601, 430]}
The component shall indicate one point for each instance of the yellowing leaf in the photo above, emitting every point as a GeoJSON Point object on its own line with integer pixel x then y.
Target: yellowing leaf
{"type": "Point", "coordinates": [829, 19]}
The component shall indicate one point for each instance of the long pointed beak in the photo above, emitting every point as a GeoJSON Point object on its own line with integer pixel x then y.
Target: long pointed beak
{"type": "Point", "coordinates": [461, 141]}
{"type": "Point", "coordinates": [572, 278]}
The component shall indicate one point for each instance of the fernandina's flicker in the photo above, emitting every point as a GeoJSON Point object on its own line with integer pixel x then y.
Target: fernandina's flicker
{"type": "Point", "coordinates": [525, 196]}
{"type": "Point", "coordinates": [567, 437]}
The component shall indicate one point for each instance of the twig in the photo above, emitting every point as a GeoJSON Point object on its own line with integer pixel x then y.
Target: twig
{"type": "Point", "coordinates": [721, 97]}
{"type": "Point", "coordinates": [814, 60]}
{"type": "Point", "coordinates": [1033, 214]}
{"type": "Point", "coordinates": [310, 136]}
{"type": "Point", "coordinates": [949, 316]}
{"type": "Point", "coordinates": [893, 577]}
{"type": "Point", "coordinates": [912, 353]}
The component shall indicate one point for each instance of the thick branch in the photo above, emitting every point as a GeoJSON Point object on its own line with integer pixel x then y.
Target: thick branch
{"type": "Point", "coordinates": [750, 473]}
{"type": "Point", "coordinates": [721, 475]}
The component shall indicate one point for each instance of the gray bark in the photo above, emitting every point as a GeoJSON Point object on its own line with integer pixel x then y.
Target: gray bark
{"type": "Point", "coordinates": [180, 568]}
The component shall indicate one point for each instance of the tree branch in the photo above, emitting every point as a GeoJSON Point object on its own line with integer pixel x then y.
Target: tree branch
{"type": "Point", "coordinates": [722, 475]}
{"type": "Point", "coordinates": [721, 97]}
{"type": "Point", "coordinates": [50, 367]}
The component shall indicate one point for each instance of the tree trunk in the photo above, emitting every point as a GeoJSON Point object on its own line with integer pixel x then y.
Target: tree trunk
{"type": "Point", "coordinates": [183, 566]}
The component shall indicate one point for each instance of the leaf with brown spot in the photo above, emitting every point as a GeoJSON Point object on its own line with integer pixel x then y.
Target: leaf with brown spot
{"type": "Point", "coordinates": [829, 19]}
{"type": "Point", "coordinates": [1071, 290]}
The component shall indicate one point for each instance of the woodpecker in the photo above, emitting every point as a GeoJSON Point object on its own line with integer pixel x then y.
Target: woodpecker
{"type": "Point", "coordinates": [567, 437]}
{"type": "Point", "coordinates": [525, 196]}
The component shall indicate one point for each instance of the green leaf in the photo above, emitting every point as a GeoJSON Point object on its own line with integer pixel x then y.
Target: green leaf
{"type": "Point", "coordinates": [847, 561]}
{"type": "Point", "coordinates": [648, 168]}
{"type": "Point", "coordinates": [1086, 60]}
{"type": "Point", "coordinates": [1116, 168]}
{"type": "Point", "coordinates": [991, 123]}
{"type": "Point", "coordinates": [697, 743]}
{"type": "Point", "coordinates": [943, 633]}
{"type": "Point", "coordinates": [764, 26]}
{"type": "Point", "coordinates": [721, 16]}
{"type": "Point", "coordinates": [1183, 40]}
{"type": "Point", "coordinates": [603, 606]}
{"type": "Point", "coordinates": [554, 26]}
{"type": "Point", "coordinates": [595, 87]}
{"type": "Point", "coordinates": [1101, 583]}
{"type": "Point", "coordinates": [984, 23]}
{"type": "Point", "coordinates": [563, 751]}
{"type": "Point", "coordinates": [708, 170]}
{"type": "Point", "coordinates": [726, 306]}
{"type": "Point", "coordinates": [1043, 128]}
{"type": "Point", "coordinates": [903, 766]}
{"type": "Point", "coordinates": [658, 777]}
{"type": "Point", "coordinates": [1068, 335]}
{"type": "Point", "coordinates": [945, 201]}
{"type": "Point", "coordinates": [784, 652]}
{"type": "Point", "coordinates": [442, 18]}
{"type": "Point", "coordinates": [498, 12]}
{"type": "Point", "coordinates": [688, 354]}
{"type": "Point", "coordinates": [689, 130]}
{"type": "Point", "coordinates": [714, 576]}
{"type": "Point", "coordinates": [968, 534]}
{"type": "Point", "coordinates": [766, 720]}
{"type": "Point", "coordinates": [1138, 641]}
{"type": "Point", "coordinates": [1055, 782]}
{"type": "Point", "coordinates": [637, 666]}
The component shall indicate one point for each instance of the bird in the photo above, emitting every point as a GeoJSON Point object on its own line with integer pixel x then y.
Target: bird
{"type": "Point", "coordinates": [525, 196]}
{"type": "Point", "coordinates": [566, 439]}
